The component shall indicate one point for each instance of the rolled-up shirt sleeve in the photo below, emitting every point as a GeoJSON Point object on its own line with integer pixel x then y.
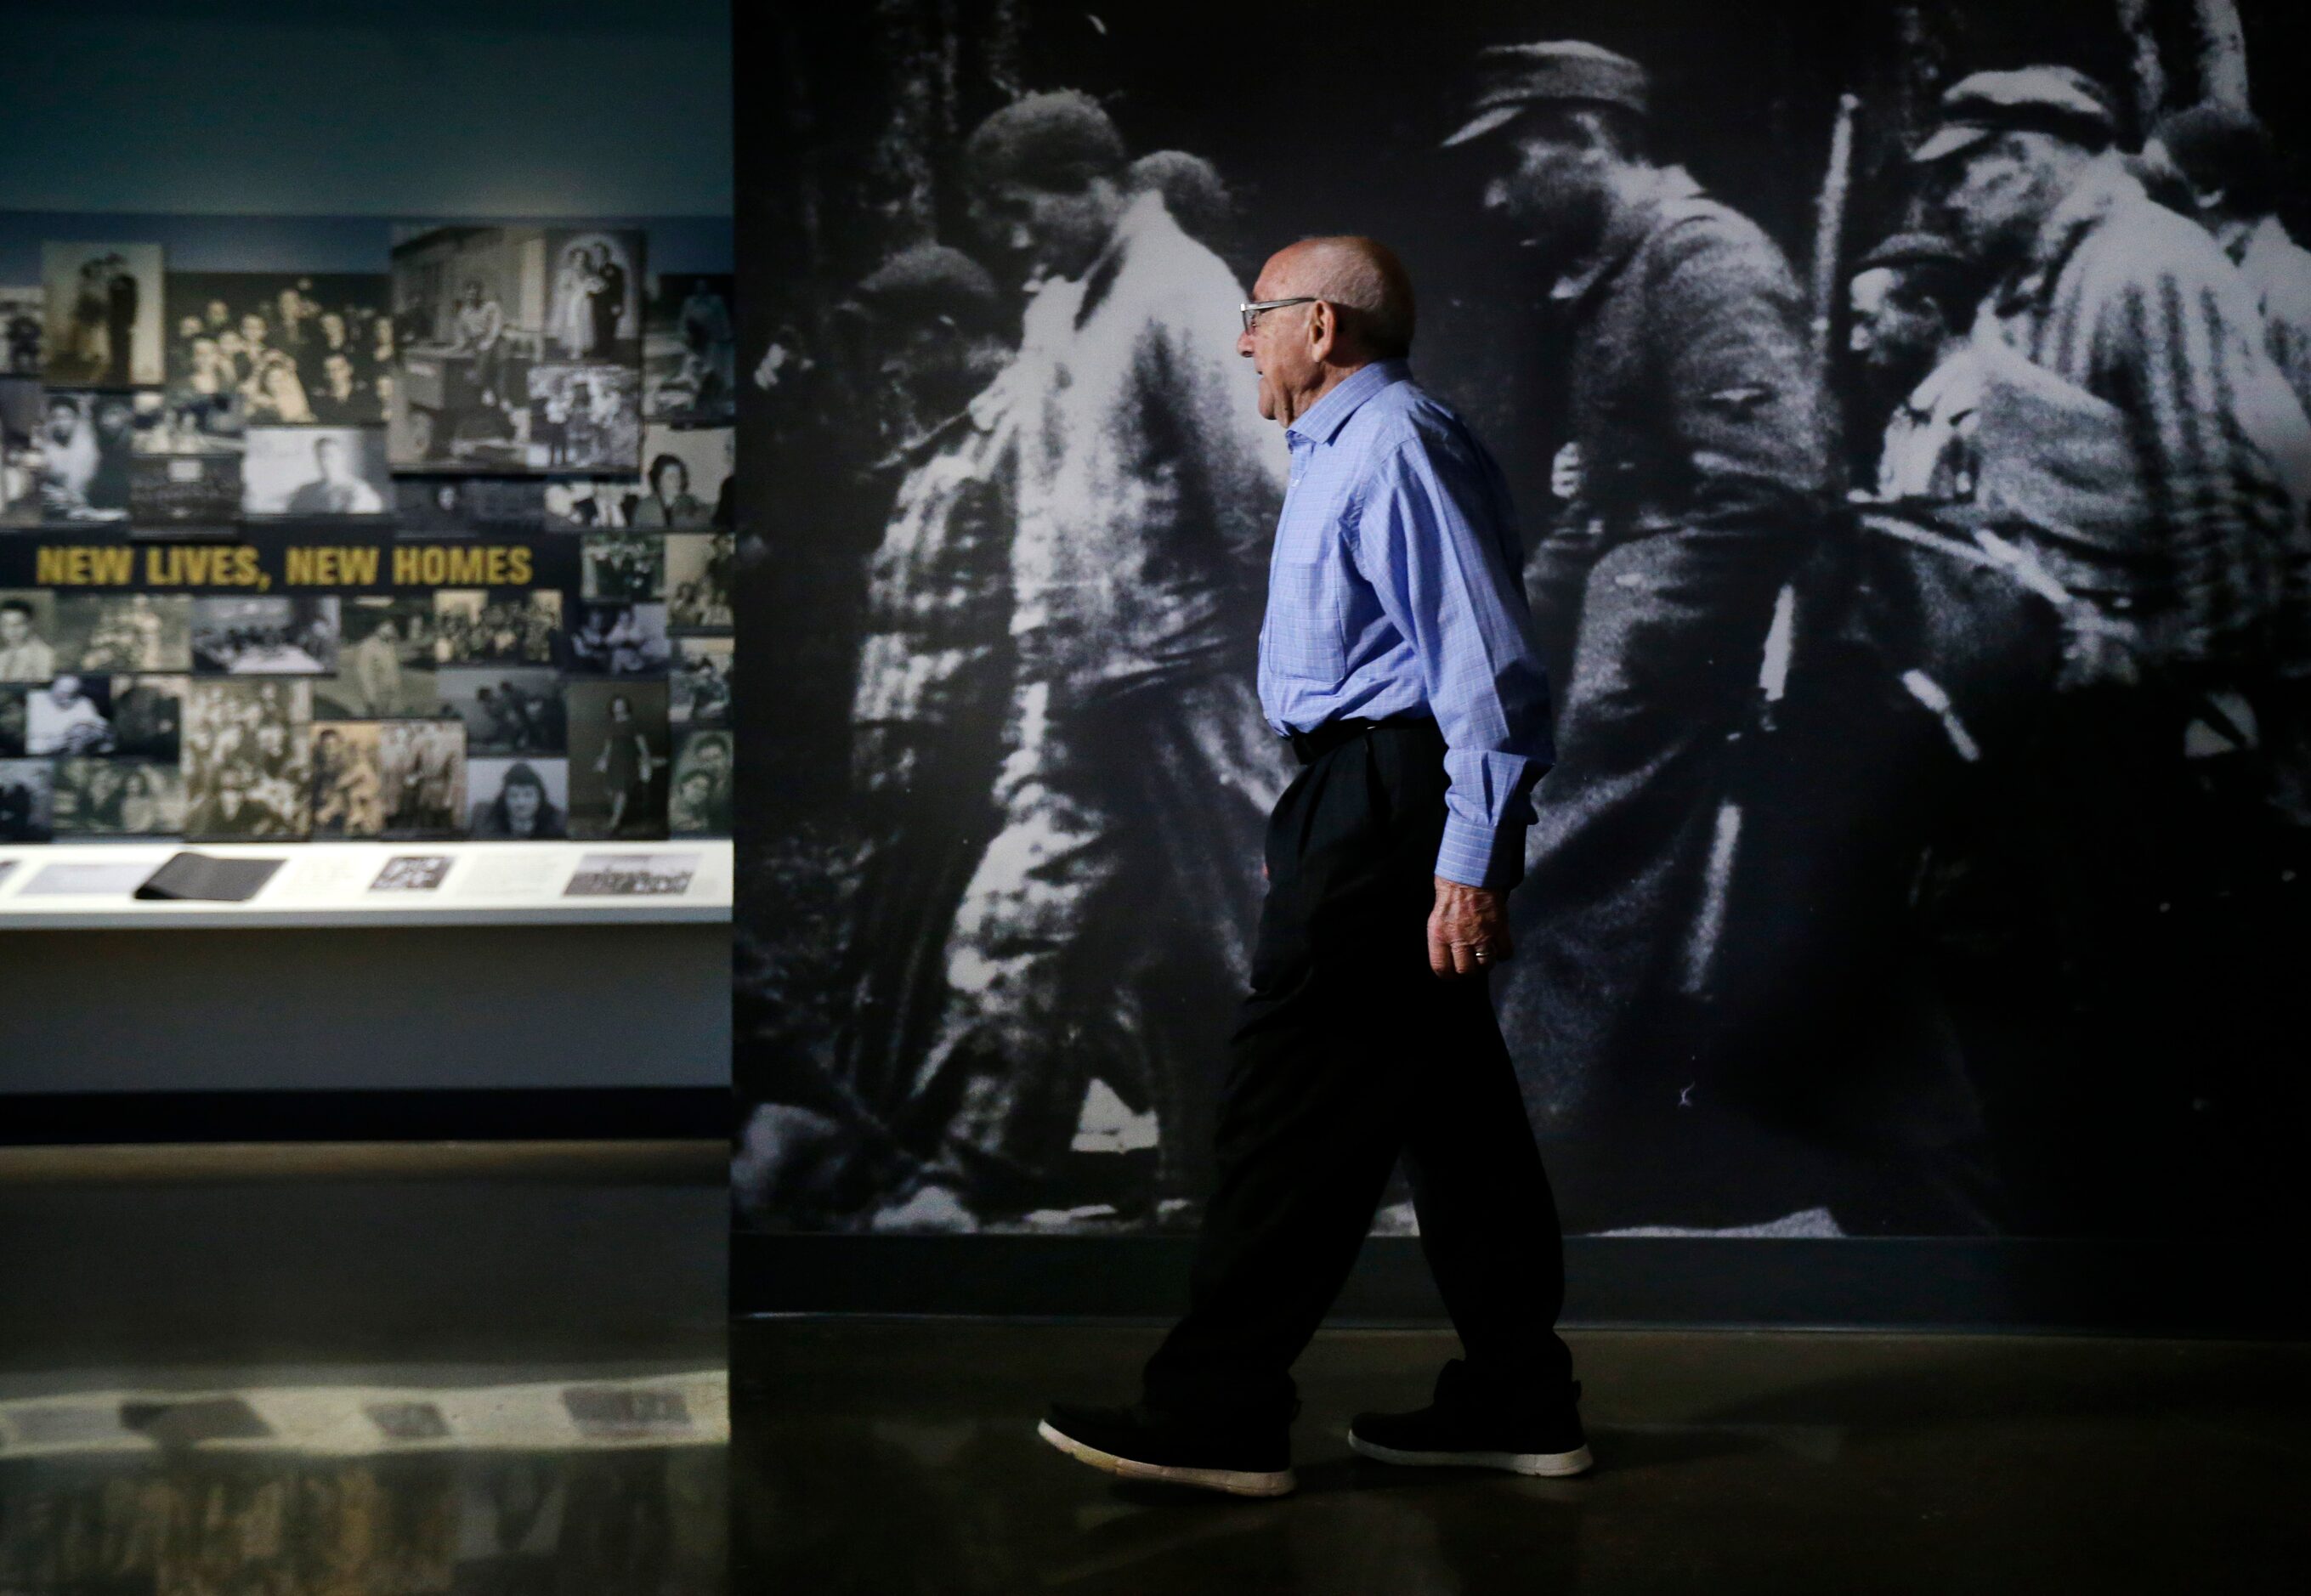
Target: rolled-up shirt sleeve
{"type": "Point", "coordinates": [1431, 539]}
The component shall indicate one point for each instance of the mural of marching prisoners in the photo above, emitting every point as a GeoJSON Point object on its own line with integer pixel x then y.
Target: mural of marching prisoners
{"type": "Point", "coordinates": [246, 582]}
{"type": "Point", "coordinates": [1927, 850]}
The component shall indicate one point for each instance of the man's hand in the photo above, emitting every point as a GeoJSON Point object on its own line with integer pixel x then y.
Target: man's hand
{"type": "Point", "coordinates": [1468, 931]}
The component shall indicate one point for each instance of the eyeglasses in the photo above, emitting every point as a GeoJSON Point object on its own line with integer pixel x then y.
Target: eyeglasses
{"type": "Point", "coordinates": [1250, 311]}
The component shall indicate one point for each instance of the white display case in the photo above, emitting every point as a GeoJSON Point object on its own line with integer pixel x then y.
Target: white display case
{"type": "Point", "coordinates": [65, 886]}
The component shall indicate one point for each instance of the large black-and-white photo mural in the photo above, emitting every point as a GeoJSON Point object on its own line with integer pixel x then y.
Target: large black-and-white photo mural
{"type": "Point", "coordinates": [1929, 641]}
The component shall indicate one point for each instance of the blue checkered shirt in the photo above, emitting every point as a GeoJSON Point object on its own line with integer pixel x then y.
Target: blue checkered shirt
{"type": "Point", "coordinates": [1393, 590]}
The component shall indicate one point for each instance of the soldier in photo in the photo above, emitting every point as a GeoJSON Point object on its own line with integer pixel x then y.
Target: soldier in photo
{"type": "Point", "coordinates": [1698, 478]}
{"type": "Point", "coordinates": [1102, 935]}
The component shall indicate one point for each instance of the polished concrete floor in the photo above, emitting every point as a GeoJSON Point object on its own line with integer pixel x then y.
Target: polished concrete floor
{"type": "Point", "coordinates": [499, 1371]}
{"type": "Point", "coordinates": [479, 1370]}
{"type": "Point", "coordinates": [895, 1458]}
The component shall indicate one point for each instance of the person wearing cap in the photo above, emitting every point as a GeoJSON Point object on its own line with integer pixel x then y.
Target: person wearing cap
{"type": "Point", "coordinates": [1134, 779]}
{"type": "Point", "coordinates": [2155, 476]}
{"type": "Point", "coordinates": [2229, 172]}
{"type": "Point", "coordinates": [1698, 477]}
{"type": "Point", "coordinates": [1911, 304]}
{"type": "Point", "coordinates": [2222, 160]}
{"type": "Point", "coordinates": [1397, 659]}
{"type": "Point", "coordinates": [933, 679]}
{"type": "Point", "coordinates": [2130, 303]}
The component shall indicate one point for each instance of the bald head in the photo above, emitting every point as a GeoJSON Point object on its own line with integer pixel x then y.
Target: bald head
{"type": "Point", "coordinates": [1347, 302]}
{"type": "Point", "coordinates": [1361, 276]}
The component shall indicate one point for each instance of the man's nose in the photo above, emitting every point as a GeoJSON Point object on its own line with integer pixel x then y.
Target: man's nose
{"type": "Point", "coordinates": [1243, 344]}
{"type": "Point", "coordinates": [1497, 195]}
{"type": "Point", "coordinates": [1022, 239]}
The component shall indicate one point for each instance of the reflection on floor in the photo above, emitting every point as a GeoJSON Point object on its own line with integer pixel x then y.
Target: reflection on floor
{"type": "Point", "coordinates": [594, 1486]}
{"type": "Point", "coordinates": [901, 1457]}
{"type": "Point", "coordinates": [270, 1372]}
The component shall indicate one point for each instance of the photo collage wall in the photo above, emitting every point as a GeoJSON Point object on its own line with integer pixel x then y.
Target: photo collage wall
{"type": "Point", "coordinates": [497, 475]}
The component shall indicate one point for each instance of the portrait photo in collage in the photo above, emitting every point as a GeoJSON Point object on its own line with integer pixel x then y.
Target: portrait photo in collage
{"type": "Point", "coordinates": [23, 330]}
{"type": "Point", "coordinates": [539, 388]}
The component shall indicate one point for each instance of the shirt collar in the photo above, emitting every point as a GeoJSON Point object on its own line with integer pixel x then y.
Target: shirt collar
{"type": "Point", "coordinates": [1328, 414]}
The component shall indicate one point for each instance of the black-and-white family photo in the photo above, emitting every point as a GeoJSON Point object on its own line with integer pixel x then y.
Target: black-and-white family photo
{"type": "Point", "coordinates": [123, 633]}
{"type": "Point", "coordinates": [507, 709]}
{"type": "Point", "coordinates": [269, 637]}
{"type": "Point", "coordinates": [628, 566]}
{"type": "Point", "coordinates": [698, 580]}
{"type": "Point", "coordinates": [275, 348]}
{"type": "Point", "coordinates": [519, 349]}
{"type": "Point", "coordinates": [118, 798]}
{"type": "Point", "coordinates": [590, 503]}
{"type": "Point", "coordinates": [467, 506]}
{"type": "Point", "coordinates": [476, 626]}
{"type": "Point", "coordinates": [246, 759]}
{"type": "Point", "coordinates": [700, 683]}
{"type": "Point", "coordinates": [690, 349]}
{"type": "Point", "coordinates": [86, 445]}
{"type": "Point", "coordinates": [617, 637]}
{"type": "Point", "coordinates": [26, 801]}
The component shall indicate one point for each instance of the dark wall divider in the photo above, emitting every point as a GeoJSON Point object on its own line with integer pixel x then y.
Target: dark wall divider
{"type": "Point", "coordinates": [644, 1114]}
{"type": "Point", "coordinates": [2200, 1288]}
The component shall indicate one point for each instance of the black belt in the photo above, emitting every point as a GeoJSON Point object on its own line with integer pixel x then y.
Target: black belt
{"type": "Point", "coordinates": [1309, 746]}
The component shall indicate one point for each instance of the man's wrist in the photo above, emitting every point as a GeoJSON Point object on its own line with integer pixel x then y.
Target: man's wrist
{"type": "Point", "coordinates": [1476, 855]}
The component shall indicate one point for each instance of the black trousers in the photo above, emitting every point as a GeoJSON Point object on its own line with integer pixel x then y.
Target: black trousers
{"type": "Point", "coordinates": [1350, 1053]}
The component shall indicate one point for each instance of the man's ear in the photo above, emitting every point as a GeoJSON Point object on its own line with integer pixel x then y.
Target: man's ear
{"type": "Point", "coordinates": [1324, 330]}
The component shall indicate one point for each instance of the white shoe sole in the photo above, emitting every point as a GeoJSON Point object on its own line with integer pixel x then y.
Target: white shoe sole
{"type": "Point", "coordinates": [1235, 1482]}
{"type": "Point", "coordinates": [1550, 1465]}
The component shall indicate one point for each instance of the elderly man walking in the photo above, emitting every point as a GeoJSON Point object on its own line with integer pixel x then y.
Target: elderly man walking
{"type": "Point", "coordinates": [1398, 657]}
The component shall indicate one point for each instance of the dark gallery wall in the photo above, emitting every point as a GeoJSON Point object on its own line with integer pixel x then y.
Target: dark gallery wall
{"type": "Point", "coordinates": [368, 106]}
{"type": "Point", "coordinates": [1819, 1075]}
{"type": "Point", "coordinates": [325, 117]}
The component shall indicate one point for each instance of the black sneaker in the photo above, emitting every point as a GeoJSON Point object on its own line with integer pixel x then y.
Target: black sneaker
{"type": "Point", "coordinates": [1462, 1428]}
{"type": "Point", "coordinates": [1137, 1445]}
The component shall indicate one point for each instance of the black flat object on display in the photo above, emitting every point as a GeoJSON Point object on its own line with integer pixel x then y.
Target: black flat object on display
{"type": "Point", "coordinates": [197, 876]}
